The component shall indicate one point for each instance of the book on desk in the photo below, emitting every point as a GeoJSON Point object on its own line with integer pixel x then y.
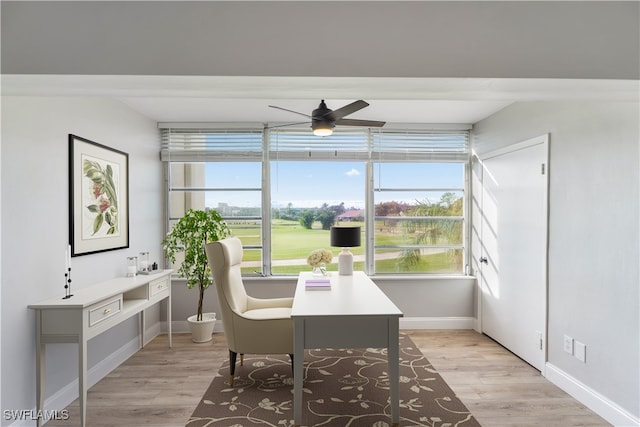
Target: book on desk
{"type": "Point", "coordinates": [317, 284]}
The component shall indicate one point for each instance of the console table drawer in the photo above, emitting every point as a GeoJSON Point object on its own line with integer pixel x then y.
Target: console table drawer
{"type": "Point", "coordinates": [158, 286]}
{"type": "Point", "coordinates": [104, 310]}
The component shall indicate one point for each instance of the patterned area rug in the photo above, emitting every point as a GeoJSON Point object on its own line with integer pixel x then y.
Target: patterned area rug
{"type": "Point", "coordinates": [341, 388]}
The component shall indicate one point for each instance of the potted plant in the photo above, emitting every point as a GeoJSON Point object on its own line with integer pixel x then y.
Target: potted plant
{"type": "Point", "coordinates": [188, 236]}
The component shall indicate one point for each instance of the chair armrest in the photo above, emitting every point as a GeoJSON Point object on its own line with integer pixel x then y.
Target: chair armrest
{"type": "Point", "coordinates": [258, 303]}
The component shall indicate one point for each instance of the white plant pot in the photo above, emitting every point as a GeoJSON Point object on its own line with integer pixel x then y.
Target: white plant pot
{"type": "Point", "coordinates": [202, 330]}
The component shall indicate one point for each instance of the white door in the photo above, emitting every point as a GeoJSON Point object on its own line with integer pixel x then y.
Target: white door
{"type": "Point", "coordinates": [514, 248]}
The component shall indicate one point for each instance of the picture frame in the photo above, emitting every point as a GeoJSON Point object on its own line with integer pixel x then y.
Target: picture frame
{"type": "Point", "coordinates": [98, 197]}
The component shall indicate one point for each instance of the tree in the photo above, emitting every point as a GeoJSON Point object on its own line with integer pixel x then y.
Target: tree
{"type": "Point", "coordinates": [306, 219]}
{"type": "Point", "coordinates": [434, 231]}
{"type": "Point", "coordinates": [326, 217]}
{"type": "Point", "coordinates": [392, 208]}
{"type": "Point", "coordinates": [189, 235]}
{"type": "Point", "coordinates": [338, 209]}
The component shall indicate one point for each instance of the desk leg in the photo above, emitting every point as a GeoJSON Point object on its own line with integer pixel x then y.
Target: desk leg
{"type": "Point", "coordinates": [394, 370]}
{"type": "Point", "coordinates": [298, 364]}
{"type": "Point", "coordinates": [169, 319]}
{"type": "Point", "coordinates": [141, 328]}
{"type": "Point", "coordinates": [40, 366]}
{"type": "Point", "coordinates": [82, 379]}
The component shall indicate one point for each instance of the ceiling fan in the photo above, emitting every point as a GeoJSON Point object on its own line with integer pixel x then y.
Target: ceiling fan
{"type": "Point", "coordinates": [324, 119]}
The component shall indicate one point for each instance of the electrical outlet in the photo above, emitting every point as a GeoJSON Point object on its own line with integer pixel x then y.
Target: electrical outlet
{"type": "Point", "coordinates": [568, 344]}
{"type": "Point", "coordinates": [580, 351]}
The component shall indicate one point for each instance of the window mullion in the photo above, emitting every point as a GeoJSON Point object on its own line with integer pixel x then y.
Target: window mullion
{"type": "Point", "coordinates": [369, 218]}
{"type": "Point", "coordinates": [266, 206]}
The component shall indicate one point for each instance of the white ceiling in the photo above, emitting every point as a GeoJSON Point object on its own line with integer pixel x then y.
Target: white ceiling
{"type": "Point", "coordinates": [247, 99]}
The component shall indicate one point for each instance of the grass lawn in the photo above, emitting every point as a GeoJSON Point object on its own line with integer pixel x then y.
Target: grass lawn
{"type": "Point", "coordinates": [290, 240]}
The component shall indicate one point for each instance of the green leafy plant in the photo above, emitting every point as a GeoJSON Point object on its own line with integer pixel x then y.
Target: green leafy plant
{"type": "Point", "coordinates": [188, 236]}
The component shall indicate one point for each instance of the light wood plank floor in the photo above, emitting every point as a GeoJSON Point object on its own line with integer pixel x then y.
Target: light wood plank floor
{"type": "Point", "coordinates": [161, 387]}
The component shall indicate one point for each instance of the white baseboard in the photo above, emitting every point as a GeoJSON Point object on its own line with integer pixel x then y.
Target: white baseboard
{"type": "Point", "coordinates": [67, 394]}
{"type": "Point", "coordinates": [182, 327]}
{"type": "Point", "coordinates": [152, 332]}
{"type": "Point", "coordinates": [591, 398]}
{"type": "Point", "coordinates": [436, 322]}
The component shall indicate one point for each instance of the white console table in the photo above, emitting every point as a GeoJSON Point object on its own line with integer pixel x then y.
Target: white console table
{"type": "Point", "coordinates": [91, 311]}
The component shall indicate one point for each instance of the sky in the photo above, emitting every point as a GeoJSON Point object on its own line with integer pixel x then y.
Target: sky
{"type": "Point", "coordinates": [310, 184]}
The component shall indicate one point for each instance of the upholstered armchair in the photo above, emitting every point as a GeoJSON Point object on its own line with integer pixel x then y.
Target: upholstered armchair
{"type": "Point", "coordinates": [251, 325]}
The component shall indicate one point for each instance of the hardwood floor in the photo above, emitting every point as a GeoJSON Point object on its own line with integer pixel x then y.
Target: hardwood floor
{"type": "Point", "coordinates": [499, 388]}
{"type": "Point", "coordinates": [161, 387]}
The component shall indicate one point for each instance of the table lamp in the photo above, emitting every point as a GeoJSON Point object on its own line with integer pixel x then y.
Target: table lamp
{"type": "Point", "coordinates": [345, 237]}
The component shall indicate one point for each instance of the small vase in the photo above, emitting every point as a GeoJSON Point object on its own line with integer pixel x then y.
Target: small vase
{"type": "Point", "coordinates": [320, 270]}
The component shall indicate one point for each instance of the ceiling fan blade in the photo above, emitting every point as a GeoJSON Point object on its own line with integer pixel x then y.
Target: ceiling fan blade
{"type": "Point", "coordinates": [290, 111]}
{"type": "Point", "coordinates": [347, 109]}
{"type": "Point", "coordinates": [365, 123]}
{"type": "Point", "coordinates": [288, 124]}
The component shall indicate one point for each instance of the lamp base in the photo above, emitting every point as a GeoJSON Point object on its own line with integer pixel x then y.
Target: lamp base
{"type": "Point", "coordinates": [345, 262]}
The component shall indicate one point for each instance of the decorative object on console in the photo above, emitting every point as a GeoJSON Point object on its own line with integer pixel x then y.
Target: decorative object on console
{"type": "Point", "coordinates": [132, 266]}
{"type": "Point", "coordinates": [318, 260]}
{"type": "Point", "coordinates": [345, 238]}
{"type": "Point", "coordinates": [67, 275]}
{"type": "Point", "coordinates": [98, 197]}
{"type": "Point", "coordinates": [189, 236]}
{"type": "Point", "coordinates": [143, 263]}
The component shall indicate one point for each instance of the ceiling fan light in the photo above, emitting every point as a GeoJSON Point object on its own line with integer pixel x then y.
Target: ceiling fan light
{"type": "Point", "coordinates": [322, 127]}
{"type": "Point", "coordinates": [322, 131]}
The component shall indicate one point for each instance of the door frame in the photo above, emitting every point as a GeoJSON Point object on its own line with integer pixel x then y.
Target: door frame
{"type": "Point", "coordinates": [542, 139]}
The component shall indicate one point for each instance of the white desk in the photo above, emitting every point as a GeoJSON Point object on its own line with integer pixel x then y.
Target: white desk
{"type": "Point", "coordinates": [91, 311]}
{"type": "Point", "coordinates": [354, 313]}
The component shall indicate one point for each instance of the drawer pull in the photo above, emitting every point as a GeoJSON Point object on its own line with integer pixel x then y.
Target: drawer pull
{"type": "Point", "coordinates": [106, 311]}
{"type": "Point", "coordinates": [160, 286]}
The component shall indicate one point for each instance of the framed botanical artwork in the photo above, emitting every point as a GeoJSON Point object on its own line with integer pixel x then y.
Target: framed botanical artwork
{"type": "Point", "coordinates": [98, 197]}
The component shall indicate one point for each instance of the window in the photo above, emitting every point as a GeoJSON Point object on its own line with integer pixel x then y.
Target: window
{"type": "Point", "coordinates": [221, 170]}
{"type": "Point", "coordinates": [281, 190]}
{"type": "Point", "coordinates": [418, 221]}
{"type": "Point", "coordinates": [307, 198]}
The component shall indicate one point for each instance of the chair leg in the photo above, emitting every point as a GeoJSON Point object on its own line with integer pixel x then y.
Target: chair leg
{"type": "Point", "coordinates": [291, 356]}
{"type": "Point", "coordinates": [232, 366]}
{"type": "Point", "coordinates": [241, 359]}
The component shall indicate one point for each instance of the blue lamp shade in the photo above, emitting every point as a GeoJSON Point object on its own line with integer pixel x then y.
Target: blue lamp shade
{"type": "Point", "coordinates": [345, 237]}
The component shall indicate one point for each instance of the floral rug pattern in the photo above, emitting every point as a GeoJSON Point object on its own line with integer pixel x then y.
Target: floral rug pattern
{"type": "Point", "coordinates": [342, 387]}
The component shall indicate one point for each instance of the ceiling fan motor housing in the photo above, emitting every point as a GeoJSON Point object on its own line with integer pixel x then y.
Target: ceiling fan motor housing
{"type": "Point", "coordinates": [321, 117]}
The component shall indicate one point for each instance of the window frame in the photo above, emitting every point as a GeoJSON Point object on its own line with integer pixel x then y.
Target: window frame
{"type": "Point", "coordinates": [464, 246]}
{"type": "Point", "coordinates": [370, 157]}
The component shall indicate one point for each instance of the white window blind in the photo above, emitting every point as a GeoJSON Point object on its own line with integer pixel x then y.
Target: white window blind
{"type": "Point", "coordinates": [419, 146]}
{"type": "Point", "coordinates": [201, 144]}
{"type": "Point", "coordinates": [183, 144]}
{"type": "Point", "coordinates": [304, 145]}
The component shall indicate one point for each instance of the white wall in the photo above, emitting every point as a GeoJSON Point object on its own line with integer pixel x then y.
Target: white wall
{"type": "Point", "coordinates": [35, 221]}
{"type": "Point", "coordinates": [594, 293]}
{"type": "Point", "coordinates": [427, 303]}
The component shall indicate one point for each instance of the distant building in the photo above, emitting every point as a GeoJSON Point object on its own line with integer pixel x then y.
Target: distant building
{"type": "Point", "coordinates": [352, 215]}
